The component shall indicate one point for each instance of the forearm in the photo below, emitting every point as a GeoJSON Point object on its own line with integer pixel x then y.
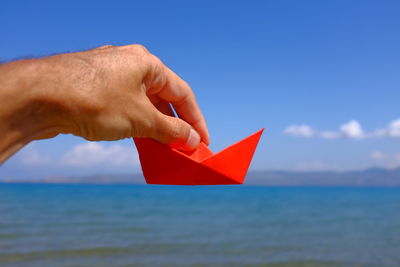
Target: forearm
{"type": "Point", "coordinates": [23, 113]}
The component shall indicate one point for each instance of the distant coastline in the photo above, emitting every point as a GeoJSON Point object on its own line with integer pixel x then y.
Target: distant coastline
{"type": "Point", "coordinates": [368, 177]}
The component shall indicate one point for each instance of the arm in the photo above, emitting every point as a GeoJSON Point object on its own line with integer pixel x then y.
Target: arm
{"type": "Point", "coordinates": [108, 93]}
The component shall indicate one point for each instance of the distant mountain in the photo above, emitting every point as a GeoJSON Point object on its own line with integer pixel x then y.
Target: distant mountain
{"type": "Point", "coordinates": [92, 179]}
{"type": "Point", "coordinates": [369, 177]}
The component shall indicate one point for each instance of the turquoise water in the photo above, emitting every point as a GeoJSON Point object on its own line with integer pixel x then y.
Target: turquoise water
{"type": "Point", "coordinates": [87, 225]}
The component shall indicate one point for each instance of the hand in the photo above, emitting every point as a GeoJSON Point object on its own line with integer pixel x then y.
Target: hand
{"type": "Point", "coordinates": [108, 93]}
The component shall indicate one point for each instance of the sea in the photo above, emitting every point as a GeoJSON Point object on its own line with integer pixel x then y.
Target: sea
{"type": "Point", "coordinates": [142, 225]}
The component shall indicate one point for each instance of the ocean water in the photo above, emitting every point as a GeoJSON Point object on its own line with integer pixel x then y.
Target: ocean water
{"type": "Point", "coordinates": [89, 225]}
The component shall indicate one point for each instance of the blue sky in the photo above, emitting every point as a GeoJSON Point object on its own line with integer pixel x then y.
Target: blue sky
{"type": "Point", "coordinates": [298, 68]}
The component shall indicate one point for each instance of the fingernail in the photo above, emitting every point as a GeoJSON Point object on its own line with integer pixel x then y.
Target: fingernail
{"type": "Point", "coordinates": [193, 140]}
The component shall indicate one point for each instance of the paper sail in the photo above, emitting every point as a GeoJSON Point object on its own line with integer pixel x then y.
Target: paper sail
{"type": "Point", "coordinates": [164, 165]}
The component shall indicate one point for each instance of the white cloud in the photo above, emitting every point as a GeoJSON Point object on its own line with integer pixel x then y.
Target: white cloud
{"type": "Point", "coordinates": [301, 130]}
{"type": "Point", "coordinates": [386, 160]}
{"type": "Point", "coordinates": [380, 133]}
{"type": "Point", "coordinates": [352, 130]}
{"type": "Point", "coordinates": [330, 135]}
{"type": "Point", "coordinates": [378, 156]}
{"type": "Point", "coordinates": [29, 155]}
{"type": "Point", "coordinates": [95, 154]}
{"type": "Point", "coordinates": [394, 128]}
{"type": "Point", "coordinates": [349, 130]}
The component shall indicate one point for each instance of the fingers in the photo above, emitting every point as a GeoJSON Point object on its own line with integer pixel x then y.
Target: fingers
{"type": "Point", "coordinates": [171, 88]}
{"type": "Point", "coordinates": [175, 132]}
{"type": "Point", "coordinates": [171, 130]}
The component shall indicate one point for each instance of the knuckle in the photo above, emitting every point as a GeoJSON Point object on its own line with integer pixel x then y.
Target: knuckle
{"type": "Point", "coordinates": [155, 60]}
{"type": "Point", "coordinates": [143, 127]}
{"type": "Point", "coordinates": [176, 130]}
{"type": "Point", "coordinates": [156, 64]}
{"type": "Point", "coordinates": [155, 79]}
{"type": "Point", "coordinates": [152, 61]}
{"type": "Point", "coordinates": [139, 48]}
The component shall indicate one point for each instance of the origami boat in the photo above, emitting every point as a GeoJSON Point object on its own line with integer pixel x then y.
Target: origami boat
{"type": "Point", "coordinates": [164, 165]}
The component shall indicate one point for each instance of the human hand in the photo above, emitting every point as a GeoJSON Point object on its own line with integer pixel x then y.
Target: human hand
{"type": "Point", "coordinates": [111, 93]}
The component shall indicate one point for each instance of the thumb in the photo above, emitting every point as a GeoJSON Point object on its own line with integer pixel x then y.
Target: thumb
{"type": "Point", "coordinates": [175, 132]}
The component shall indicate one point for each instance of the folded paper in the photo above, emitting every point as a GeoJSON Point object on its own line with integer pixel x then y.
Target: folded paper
{"type": "Point", "coordinates": [164, 165]}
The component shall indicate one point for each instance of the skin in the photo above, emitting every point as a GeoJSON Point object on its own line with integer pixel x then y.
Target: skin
{"type": "Point", "coordinates": [108, 93]}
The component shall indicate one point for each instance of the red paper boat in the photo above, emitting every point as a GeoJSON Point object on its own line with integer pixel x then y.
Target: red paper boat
{"type": "Point", "coordinates": [164, 165]}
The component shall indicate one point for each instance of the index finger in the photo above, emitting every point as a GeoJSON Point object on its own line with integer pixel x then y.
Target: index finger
{"type": "Point", "coordinates": [171, 88]}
